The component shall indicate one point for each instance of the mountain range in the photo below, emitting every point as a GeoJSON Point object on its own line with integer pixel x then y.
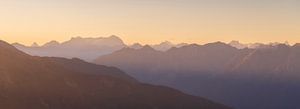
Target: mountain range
{"type": "Point", "coordinates": [231, 73]}
{"type": "Point", "coordinates": [84, 48]}
{"type": "Point", "coordinates": [90, 49]}
{"type": "Point", "coordinates": [31, 82]}
{"type": "Point", "coordinates": [87, 49]}
{"type": "Point", "coordinates": [266, 77]}
{"type": "Point", "coordinates": [239, 45]}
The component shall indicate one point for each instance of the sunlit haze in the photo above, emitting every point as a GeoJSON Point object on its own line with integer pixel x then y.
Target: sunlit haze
{"type": "Point", "coordinates": [151, 21]}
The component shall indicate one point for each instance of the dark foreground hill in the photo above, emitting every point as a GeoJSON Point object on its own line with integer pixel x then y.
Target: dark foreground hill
{"type": "Point", "coordinates": [28, 82]}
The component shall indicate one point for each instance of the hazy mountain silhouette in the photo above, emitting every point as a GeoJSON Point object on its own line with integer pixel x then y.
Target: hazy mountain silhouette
{"type": "Point", "coordinates": [83, 48]}
{"type": "Point", "coordinates": [29, 82]}
{"type": "Point", "coordinates": [239, 45]}
{"type": "Point", "coordinates": [52, 44]}
{"type": "Point", "coordinates": [136, 46]}
{"type": "Point", "coordinates": [164, 46]}
{"type": "Point", "coordinates": [34, 45]}
{"type": "Point", "coordinates": [87, 49]}
{"type": "Point", "coordinates": [262, 78]}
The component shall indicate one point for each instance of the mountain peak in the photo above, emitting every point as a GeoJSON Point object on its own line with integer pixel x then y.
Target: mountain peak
{"type": "Point", "coordinates": [218, 44]}
{"type": "Point", "coordinates": [114, 37]}
{"type": "Point", "coordinates": [296, 45]}
{"type": "Point", "coordinates": [166, 43]}
{"type": "Point", "coordinates": [76, 38]}
{"type": "Point", "coordinates": [136, 46]}
{"type": "Point", "coordinates": [237, 44]}
{"type": "Point", "coordinates": [191, 46]}
{"type": "Point", "coordinates": [18, 45]}
{"type": "Point", "coordinates": [282, 46]}
{"type": "Point", "coordinates": [51, 43]}
{"type": "Point", "coordinates": [147, 48]}
{"type": "Point", "coordinates": [163, 46]}
{"type": "Point", "coordinates": [34, 44]}
{"type": "Point", "coordinates": [182, 44]}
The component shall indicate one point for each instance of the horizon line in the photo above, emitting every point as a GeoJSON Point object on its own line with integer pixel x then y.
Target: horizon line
{"type": "Point", "coordinates": [97, 37]}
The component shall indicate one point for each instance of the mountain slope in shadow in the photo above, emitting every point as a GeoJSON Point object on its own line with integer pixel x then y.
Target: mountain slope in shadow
{"type": "Point", "coordinates": [28, 82]}
{"type": "Point", "coordinates": [261, 78]}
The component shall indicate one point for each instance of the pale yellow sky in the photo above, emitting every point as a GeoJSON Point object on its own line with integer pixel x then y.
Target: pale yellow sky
{"type": "Point", "coordinates": [151, 21]}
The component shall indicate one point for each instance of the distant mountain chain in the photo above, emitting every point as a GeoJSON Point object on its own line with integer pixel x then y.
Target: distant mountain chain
{"type": "Point", "coordinates": [83, 48]}
{"type": "Point", "coordinates": [265, 77]}
{"type": "Point", "coordinates": [89, 49]}
{"type": "Point", "coordinates": [239, 45]}
{"type": "Point", "coordinates": [30, 82]}
{"type": "Point", "coordinates": [244, 76]}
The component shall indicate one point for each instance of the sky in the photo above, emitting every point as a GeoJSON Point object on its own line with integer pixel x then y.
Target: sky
{"type": "Point", "coordinates": [151, 21]}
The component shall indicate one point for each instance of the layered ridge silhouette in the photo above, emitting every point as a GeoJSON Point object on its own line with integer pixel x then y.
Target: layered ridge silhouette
{"type": "Point", "coordinates": [266, 77]}
{"type": "Point", "coordinates": [87, 49]}
{"type": "Point", "coordinates": [30, 82]}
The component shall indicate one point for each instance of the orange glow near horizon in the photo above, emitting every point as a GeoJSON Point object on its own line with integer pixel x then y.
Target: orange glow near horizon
{"type": "Point", "coordinates": [151, 22]}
